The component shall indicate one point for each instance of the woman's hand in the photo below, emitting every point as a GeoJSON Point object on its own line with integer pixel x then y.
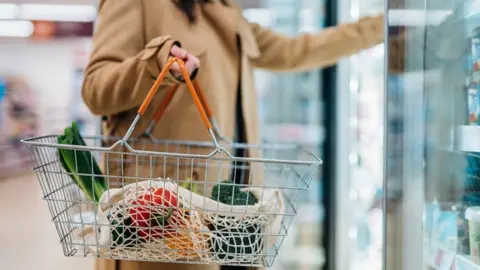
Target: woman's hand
{"type": "Point", "coordinates": [192, 63]}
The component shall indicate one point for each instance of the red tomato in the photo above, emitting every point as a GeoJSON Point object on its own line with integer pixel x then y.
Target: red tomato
{"type": "Point", "coordinates": [153, 208]}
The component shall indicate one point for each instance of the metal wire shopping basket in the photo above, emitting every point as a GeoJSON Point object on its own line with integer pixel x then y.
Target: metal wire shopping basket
{"type": "Point", "coordinates": [174, 201]}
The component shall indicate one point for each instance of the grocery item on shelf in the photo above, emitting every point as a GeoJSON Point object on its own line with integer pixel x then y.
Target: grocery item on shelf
{"type": "Point", "coordinates": [473, 78]}
{"type": "Point", "coordinates": [471, 186]}
{"type": "Point", "coordinates": [444, 229]}
{"type": "Point", "coordinates": [447, 226]}
{"type": "Point", "coordinates": [475, 51]}
{"type": "Point", "coordinates": [463, 240]}
{"type": "Point", "coordinates": [440, 257]}
{"type": "Point", "coordinates": [473, 216]}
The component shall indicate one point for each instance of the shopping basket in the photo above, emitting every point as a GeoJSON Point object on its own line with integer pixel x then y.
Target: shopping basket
{"type": "Point", "coordinates": [174, 201]}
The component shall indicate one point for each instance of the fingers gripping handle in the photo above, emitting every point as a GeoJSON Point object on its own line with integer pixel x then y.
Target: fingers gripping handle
{"type": "Point", "coordinates": [154, 89]}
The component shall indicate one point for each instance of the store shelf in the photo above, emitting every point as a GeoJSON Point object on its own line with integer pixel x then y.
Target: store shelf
{"type": "Point", "coordinates": [418, 17]}
{"type": "Point", "coordinates": [472, 9]}
{"type": "Point", "coordinates": [441, 258]}
{"type": "Point", "coordinates": [465, 262]}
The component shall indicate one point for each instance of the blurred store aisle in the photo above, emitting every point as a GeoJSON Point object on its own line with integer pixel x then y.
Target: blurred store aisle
{"type": "Point", "coordinates": [28, 240]}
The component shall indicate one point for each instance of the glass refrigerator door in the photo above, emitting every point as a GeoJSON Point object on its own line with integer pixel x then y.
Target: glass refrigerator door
{"type": "Point", "coordinates": [361, 89]}
{"type": "Point", "coordinates": [290, 106]}
{"type": "Point", "coordinates": [432, 164]}
{"type": "Point", "coordinates": [365, 91]}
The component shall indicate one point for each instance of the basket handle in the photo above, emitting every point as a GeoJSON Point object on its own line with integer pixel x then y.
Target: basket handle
{"type": "Point", "coordinates": [168, 98]}
{"type": "Point", "coordinates": [208, 110]}
{"type": "Point", "coordinates": [161, 109]}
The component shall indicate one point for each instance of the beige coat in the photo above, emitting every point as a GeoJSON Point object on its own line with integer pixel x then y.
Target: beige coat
{"type": "Point", "coordinates": [132, 43]}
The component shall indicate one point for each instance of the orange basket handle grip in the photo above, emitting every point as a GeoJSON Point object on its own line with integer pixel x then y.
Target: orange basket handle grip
{"type": "Point", "coordinates": [163, 106]}
{"type": "Point", "coordinates": [203, 99]}
{"type": "Point", "coordinates": [167, 99]}
{"type": "Point", "coordinates": [169, 96]}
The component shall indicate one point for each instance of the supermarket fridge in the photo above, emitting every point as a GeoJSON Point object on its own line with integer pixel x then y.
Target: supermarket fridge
{"type": "Point", "coordinates": [432, 135]}
{"type": "Point", "coordinates": [291, 112]}
{"type": "Point", "coordinates": [357, 94]}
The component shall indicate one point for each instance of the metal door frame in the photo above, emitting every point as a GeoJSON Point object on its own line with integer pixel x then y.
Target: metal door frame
{"type": "Point", "coordinates": [403, 148]}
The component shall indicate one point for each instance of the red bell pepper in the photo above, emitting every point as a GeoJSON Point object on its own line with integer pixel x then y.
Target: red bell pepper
{"type": "Point", "coordinates": [155, 213]}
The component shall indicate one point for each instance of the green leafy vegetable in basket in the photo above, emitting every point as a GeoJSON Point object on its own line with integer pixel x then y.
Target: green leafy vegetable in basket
{"type": "Point", "coordinates": [229, 193]}
{"type": "Point", "coordinates": [81, 165]}
{"type": "Point", "coordinates": [85, 172]}
{"type": "Point", "coordinates": [244, 238]}
{"type": "Point", "coordinates": [124, 234]}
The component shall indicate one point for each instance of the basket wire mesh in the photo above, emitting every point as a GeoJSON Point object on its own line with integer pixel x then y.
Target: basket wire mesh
{"type": "Point", "coordinates": [169, 201]}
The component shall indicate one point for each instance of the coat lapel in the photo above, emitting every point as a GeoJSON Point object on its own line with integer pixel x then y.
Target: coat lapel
{"type": "Point", "coordinates": [243, 28]}
{"type": "Point", "coordinates": [225, 19]}
{"type": "Point", "coordinates": [224, 14]}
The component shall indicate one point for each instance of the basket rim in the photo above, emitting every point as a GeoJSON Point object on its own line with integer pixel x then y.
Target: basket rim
{"type": "Point", "coordinates": [316, 161]}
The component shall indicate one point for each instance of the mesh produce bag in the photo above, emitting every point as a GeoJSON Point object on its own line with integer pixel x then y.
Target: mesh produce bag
{"type": "Point", "coordinates": [162, 221]}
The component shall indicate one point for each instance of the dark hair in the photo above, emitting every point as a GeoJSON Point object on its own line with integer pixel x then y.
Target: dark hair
{"type": "Point", "coordinates": [188, 7]}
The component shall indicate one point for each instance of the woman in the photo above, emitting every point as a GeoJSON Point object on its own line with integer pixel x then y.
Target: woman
{"type": "Point", "coordinates": [135, 38]}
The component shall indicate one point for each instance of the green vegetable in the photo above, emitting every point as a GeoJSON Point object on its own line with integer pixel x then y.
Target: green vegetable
{"type": "Point", "coordinates": [229, 193]}
{"type": "Point", "coordinates": [124, 234]}
{"type": "Point", "coordinates": [80, 164]}
{"type": "Point", "coordinates": [243, 239]}
{"type": "Point", "coordinates": [85, 172]}
{"type": "Point", "coordinates": [190, 186]}
{"type": "Point", "coordinates": [190, 183]}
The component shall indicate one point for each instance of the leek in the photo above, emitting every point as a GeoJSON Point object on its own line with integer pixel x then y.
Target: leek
{"type": "Point", "coordinates": [81, 165]}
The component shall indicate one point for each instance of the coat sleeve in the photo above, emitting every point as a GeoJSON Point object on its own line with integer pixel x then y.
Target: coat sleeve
{"type": "Point", "coordinates": [123, 65]}
{"type": "Point", "coordinates": [307, 51]}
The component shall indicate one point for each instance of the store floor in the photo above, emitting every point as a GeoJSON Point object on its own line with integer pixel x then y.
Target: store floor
{"type": "Point", "coordinates": [28, 240]}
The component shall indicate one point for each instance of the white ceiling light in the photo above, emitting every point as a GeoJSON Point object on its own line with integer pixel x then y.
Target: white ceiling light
{"type": "Point", "coordinates": [79, 13]}
{"type": "Point", "coordinates": [16, 28]}
{"type": "Point", "coordinates": [48, 12]}
{"type": "Point", "coordinates": [9, 11]}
